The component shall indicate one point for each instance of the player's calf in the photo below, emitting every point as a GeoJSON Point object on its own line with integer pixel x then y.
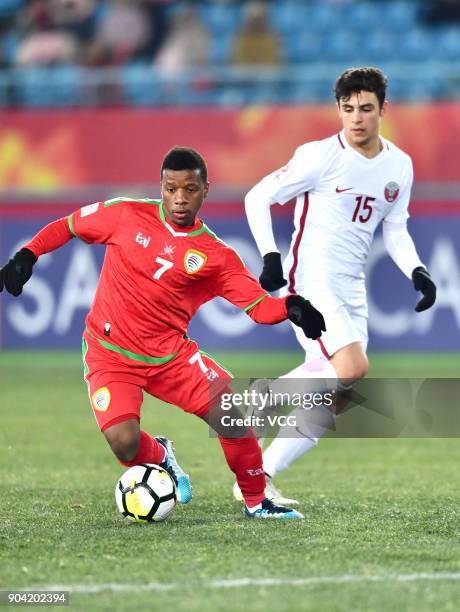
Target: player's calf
{"type": "Point", "coordinates": [132, 446]}
{"type": "Point", "coordinates": [124, 440]}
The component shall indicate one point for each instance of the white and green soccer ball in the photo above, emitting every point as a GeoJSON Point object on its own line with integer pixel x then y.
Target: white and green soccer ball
{"type": "Point", "coordinates": [146, 493]}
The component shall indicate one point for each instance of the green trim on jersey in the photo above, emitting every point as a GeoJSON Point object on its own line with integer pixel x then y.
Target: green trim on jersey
{"type": "Point", "coordinates": [248, 308]}
{"type": "Point", "coordinates": [162, 212]}
{"type": "Point", "coordinates": [72, 229]}
{"type": "Point", "coordinates": [197, 232]}
{"type": "Point", "coordinates": [70, 224]}
{"type": "Point", "coordinates": [136, 356]}
{"type": "Point", "coordinates": [211, 233]}
{"type": "Point", "coordinates": [219, 364]}
{"type": "Point", "coordinates": [140, 200]}
{"type": "Point", "coordinates": [84, 351]}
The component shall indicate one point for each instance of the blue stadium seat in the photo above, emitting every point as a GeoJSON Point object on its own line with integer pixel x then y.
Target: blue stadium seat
{"type": "Point", "coordinates": [380, 47]}
{"type": "Point", "coordinates": [8, 8]}
{"type": "Point", "coordinates": [420, 91]}
{"type": "Point", "coordinates": [344, 46]}
{"type": "Point", "coordinates": [288, 17]}
{"type": "Point", "coordinates": [312, 92]}
{"type": "Point", "coordinates": [447, 43]}
{"type": "Point", "coordinates": [231, 96]}
{"type": "Point", "coordinates": [324, 18]}
{"type": "Point", "coordinates": [425, 88]}
{"type": "Point", "coordinates": [139, 85]}
{"type": "Point", "coordinates": [9, 43]}
{"type": "Point", "coordinates": [4, 88]}
{"type": "Point", "coordinates": [221, 47]}
{"type": "Point", "coordinates": [189, 92]}
{"type": "Point", "coordinates": [398, 89]}
{"type": "Point", "coordinates": [66, 82]}
{"type": "Point", "coordinates": [303, 49]}
{"type": "Point", "coordinates": [416, 46]}
{"type": "Point", "coordinates": [362, 18]}
{"type": "Point", "coordinates": [220, 18]}
{"type": "Point", "coordinates": [42, 87]}
{"type": "Point", "coordinates": [399, 16]}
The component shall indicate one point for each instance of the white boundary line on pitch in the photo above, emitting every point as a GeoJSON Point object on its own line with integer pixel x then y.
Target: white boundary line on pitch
{"type": "Point", "coordinates": [248, 582]}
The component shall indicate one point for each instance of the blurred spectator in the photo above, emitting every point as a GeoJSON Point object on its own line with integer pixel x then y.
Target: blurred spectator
{"type": "Point", "coordinates": [187, 44]}
{"type": "Point", "coordinates": [129, 29]}
{"type": "Point", "coordinates": [47, 48]}
{"type": "Point", "coordinates": [41, 44]}
{"type": "Point", "coordinates": [122, 31]}
{"type": "Point", "coordinates": [441, 12]}
{"type": "Point", "coordinates": [159, 22]}
{"type": "Point", "coordinates": [79, 17]}
{"type": "Point", "coordinates": [256, 42]}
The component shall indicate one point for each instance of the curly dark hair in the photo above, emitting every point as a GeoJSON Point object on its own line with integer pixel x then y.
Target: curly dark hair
{"type": "Point", "coordinates": [184, 158]}
{"type": "Point", "coordinates": [355, 80]}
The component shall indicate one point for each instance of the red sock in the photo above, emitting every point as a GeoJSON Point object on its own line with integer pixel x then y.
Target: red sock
{"type": "Point", "coordinates": [244, 458]}
{"type": "Point", "coordinates": [150, 451]}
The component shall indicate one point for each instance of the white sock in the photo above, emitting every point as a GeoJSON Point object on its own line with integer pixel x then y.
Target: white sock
{"type": "Point", "coordinates": [254, 508]}
{"type": "Point", "coordinates": [284, 451]}
{"type": "Point", "coordinates": [316, 375]}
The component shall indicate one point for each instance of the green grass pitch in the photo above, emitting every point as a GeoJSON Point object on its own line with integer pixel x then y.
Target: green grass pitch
{"type": "Point", "coordinates": [382, 530]}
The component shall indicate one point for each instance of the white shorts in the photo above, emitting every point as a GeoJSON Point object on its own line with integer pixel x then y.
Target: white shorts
{"type": "Point", "coordinates": [345, 312]}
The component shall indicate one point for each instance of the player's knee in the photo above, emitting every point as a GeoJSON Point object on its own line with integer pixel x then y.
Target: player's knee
{"type": "Point", "coordinates": [353, 370]}
{"type": "Point", "coordinates": [360, 368]}
{"type": "Point", "coordinates": [363, 368]}
{"type": "Point", "coordinates": [123, 440]}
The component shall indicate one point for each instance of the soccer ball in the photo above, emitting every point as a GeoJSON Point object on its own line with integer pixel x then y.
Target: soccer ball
{"type": "Point", "coordinates": [146, 493]}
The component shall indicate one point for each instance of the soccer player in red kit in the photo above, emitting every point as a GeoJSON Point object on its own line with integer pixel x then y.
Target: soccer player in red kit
{"type": "Point", "coordinates": [161, 263]}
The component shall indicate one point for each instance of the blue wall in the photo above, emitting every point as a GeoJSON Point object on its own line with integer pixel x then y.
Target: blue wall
{"type": "Point", "coordinates": [52, 309]}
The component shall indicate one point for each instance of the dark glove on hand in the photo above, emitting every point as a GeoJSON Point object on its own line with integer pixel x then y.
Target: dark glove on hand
{"type": "Point", "coordinates": [17, 272]}
{"type": "Point", "coordinates": [303, 314]}
{"type": "Point", "coordinates": [422, 282]}
{"type": "Point", "coordinates": [271, 277]}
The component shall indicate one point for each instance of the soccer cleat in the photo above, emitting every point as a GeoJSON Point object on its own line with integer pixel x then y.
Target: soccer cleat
{"type": "Point", "coordinates": [271, 492]}
{"type": "Point", "coordinates": [182, 480]}
{"type": "Point", "coordinates": [271, 510]}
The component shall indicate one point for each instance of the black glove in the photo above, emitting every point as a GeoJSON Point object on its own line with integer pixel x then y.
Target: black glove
{"type": "Point", "coordinates": [271, 277]}
{"type": "Point", "coordinates": [303, 314]}
{"type": "Point", "coordinates": [17, 272]}
{"type": "Point", "coordinates": [422, 282]}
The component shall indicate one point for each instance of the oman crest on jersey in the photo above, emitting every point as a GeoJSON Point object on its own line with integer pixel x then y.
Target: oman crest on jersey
{"type": "Point", "coordinates": [194, 261]}
{"type": "Point", "coordinates": [391, 191]}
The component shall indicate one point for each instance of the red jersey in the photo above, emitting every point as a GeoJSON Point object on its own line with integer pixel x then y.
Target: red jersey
{"type": "Point", "coordinates": [155, 276]}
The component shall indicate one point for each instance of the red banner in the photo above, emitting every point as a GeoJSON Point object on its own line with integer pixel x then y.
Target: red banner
{"type": "Point", "coordinates": [54, 150]}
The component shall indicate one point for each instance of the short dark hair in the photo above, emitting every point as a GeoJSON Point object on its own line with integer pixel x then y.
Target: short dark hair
{"type": "Point", "coordinates": [184, 158]}
{"type": "Point", "coordinates": [355, 80]}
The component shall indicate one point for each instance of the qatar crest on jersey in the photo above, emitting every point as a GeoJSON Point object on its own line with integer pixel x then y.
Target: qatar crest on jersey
{"type": "Point", "coordinates": [194, 261]}
{"type": "Point", "coordinates": [283, 172]}
{"type": "Point", "coordinates": [391, 191]}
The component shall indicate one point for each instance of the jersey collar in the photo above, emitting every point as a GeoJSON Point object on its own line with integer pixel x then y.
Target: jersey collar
{"type": "Point", "coordinates": [178, 230]}
{"type": "Point", "coordinates": [368, 160]}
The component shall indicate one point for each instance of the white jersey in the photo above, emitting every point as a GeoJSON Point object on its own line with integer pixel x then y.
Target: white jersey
{"type": "Point", "coordinates": [341, 197]}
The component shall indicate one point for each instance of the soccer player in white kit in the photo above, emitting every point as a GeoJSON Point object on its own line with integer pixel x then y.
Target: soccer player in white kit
{"type": "Point", "coordinates": [343, 186]}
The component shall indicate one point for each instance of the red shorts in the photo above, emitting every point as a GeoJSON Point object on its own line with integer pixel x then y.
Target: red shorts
{"type": "Point", "coordinates": [192, 381]}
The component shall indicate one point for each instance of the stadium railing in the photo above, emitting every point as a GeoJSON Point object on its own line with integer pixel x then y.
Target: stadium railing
{"type": "Point", "coordinates": [140, 85]}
